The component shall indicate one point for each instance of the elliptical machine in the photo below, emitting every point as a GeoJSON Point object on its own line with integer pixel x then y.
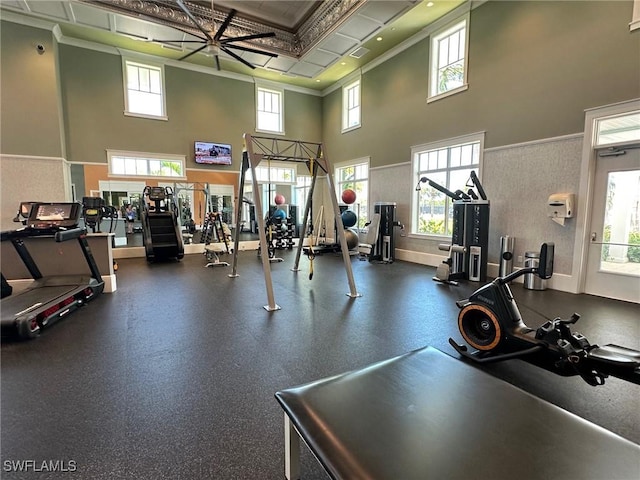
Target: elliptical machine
{"type": "Point", "coordinates": [94, 210]}
{"type": "Point", "coordinates": [490, 322]}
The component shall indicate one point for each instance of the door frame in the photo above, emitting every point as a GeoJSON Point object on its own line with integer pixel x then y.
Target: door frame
{"type": "Point", "coordinates": [587, 178]}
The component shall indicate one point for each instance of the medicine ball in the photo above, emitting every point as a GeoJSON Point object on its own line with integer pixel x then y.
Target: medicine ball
{"type": "Point", "coordinates": [348, 196]}
{"type": "Point", "coordinates": [349, 218]}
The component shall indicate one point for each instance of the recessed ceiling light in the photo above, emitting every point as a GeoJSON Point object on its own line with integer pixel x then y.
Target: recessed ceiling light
{"type": "Point", "coordinates": [318, 80]}
{"type": "Point", "coordinates": [430, 4]}
{"type": "Point", "coordinates": [379, 39]}
{"type": "Point", "coordinates": [343, 63]}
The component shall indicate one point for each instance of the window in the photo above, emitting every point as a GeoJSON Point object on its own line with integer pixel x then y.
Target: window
{"type": "Point", "coordinates": [302, 188]}
{"type": "Point", "coordinates": [448, 72]}
{"type": "Point", "coordinates": [269, 111]}
{"type": "Point", "coordinates": [449, 164]}
{"type": "Point", "coordinates": [351, 106]}
{"type": "Point", "coordinates": [355, 175]}
{"type": "Point", "coordinates": [133, 164]}
{"type": "Point", "coordinates": [618, 129]}
{"type": "Point", "coordinates": [144, 90]}
{"type": "Point", "coordinates": [635, 22]}
{"type": "Point", "coordinates": [273, 174]}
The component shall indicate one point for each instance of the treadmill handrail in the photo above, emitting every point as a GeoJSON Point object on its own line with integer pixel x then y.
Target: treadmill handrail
{"type": "Point", "coordinates": [62, 233]}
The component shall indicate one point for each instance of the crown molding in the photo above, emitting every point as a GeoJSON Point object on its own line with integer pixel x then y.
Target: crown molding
{"type": "Point", "coordinates": [54, 27]}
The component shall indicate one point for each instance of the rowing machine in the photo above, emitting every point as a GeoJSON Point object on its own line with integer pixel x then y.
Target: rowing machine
{"type": "Point", "coordinates": [490, 322]}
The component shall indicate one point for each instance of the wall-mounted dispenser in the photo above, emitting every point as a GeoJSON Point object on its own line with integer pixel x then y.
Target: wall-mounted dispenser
{"type": "Point", "coordinates": [560, 206]}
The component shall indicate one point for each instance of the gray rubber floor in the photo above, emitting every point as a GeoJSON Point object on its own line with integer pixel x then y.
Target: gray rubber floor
{"type": "Point", "coordinates": [173, 375]}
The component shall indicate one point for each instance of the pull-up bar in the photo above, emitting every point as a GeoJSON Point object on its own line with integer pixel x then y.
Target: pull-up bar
{"type": "Point", "coordinates": [280, 149]}
{"type": "Point", "coordinates": [257, 149]}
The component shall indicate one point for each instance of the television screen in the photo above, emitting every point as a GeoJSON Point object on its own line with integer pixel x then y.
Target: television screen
{"type": "Point", "coordinates": [213, 153]}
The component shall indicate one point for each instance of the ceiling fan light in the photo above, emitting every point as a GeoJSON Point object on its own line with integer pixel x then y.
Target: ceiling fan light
{"type": "Point", "coordinates": [211, 50]}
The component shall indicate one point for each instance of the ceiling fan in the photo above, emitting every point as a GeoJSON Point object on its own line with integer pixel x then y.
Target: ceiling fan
{"type": "Point", "coordinates": [214, 43]}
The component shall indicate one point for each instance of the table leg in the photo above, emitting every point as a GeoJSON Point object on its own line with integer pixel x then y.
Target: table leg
{"type": "Point", "coordinates": [291, 450]}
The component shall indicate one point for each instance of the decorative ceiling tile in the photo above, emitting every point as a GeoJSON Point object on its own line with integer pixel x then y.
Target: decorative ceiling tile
{"type": "Point", "coordinates": [51, 9]}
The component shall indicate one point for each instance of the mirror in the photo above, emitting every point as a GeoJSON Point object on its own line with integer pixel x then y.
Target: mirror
{"type": "Point", "coordinates": [202, 192]}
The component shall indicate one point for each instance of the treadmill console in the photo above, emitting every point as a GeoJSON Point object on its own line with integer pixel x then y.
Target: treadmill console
{"type": "Point", "coordinates": [24, 212]}
{"type": "Point", "coordinates": [157, 193]}
{"type": "Point", "coordinates": [54, 215]}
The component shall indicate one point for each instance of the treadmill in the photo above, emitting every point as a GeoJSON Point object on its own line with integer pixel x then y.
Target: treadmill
{"type": "Point", "coordinates": [48, 298]}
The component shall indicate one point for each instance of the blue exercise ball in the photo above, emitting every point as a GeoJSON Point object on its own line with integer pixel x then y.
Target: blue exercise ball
{"type": "Point", "coordinates": [349, 218]}
{"type": "Point", "coordinates": [280, 214]}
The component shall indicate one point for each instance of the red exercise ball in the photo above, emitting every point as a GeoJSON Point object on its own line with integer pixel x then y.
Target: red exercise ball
{"type": "Point", "coordinates": [279, 199]}
{"type": "Point", "coordinates": [348, 196]}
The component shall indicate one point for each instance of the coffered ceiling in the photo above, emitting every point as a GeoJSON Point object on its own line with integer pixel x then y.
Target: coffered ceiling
{"type": "Point", "coordinates": [316, 42]}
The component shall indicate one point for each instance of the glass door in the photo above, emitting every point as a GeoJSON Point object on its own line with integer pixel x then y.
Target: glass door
{"type": "Point", "coordinates": [613, 267]}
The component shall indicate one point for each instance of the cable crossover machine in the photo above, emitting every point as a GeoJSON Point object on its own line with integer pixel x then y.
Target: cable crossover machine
{"type": "Point", "coordinates": [313, 156]}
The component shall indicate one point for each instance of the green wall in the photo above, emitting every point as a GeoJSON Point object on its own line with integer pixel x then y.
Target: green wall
{"type": "Point", "coordinates": [30, 116]}
{"type": "Point", "coordinates": [199, 107]}
{"type": "Point", "coordinates": [534, 67]}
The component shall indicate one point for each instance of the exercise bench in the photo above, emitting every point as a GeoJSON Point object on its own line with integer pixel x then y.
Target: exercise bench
{"type": "Point", "coordinates": [426, 415]}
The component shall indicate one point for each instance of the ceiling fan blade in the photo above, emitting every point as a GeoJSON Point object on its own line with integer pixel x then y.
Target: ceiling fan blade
{"type": "Point", "coordinates": [248, 37]}
{"type": "Point", "coordinates": [193, 53]}
{"type": "Point", "coordinates": [252, 50]}
{"type": "Point", "coordinates": [225, 24]}
{"type": "Point", "coordinates": [218, 62]}
{"type": "Point", "coordinates": [240, 59]}
{"type": "Point", "coordinates": [193, 19]}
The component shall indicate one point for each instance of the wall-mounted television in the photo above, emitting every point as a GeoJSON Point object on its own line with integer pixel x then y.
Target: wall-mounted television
{"type": "Point", "coordinates": [210, 153]}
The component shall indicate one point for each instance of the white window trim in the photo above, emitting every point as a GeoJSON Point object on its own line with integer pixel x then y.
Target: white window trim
{"type": "Point", "coordinates": [417, 149]}
{"type": "Point", "coordinates": [160, 66]}
{"type": "Point", "coordinates": [147, 155]}
{"type": "Point", "coordinates": [275, 89]}
{"type": "Point", "coordinates": [433, 58]}
{"type": "Point", "coordinates": [453, 91]}
{"type": "Point", "coordinates": [345, 88]}
{"type": "Point", "coordinates": [351, 163]}
{"type": "Point", "coordinates": [635, 19]}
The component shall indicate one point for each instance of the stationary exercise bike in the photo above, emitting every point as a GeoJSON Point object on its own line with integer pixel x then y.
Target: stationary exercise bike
{"type": "Point", "coordinates": [490, 322]}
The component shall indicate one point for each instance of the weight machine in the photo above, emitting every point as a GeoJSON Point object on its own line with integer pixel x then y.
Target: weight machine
{"type": "Point", "coordinates": [384, 250]}
{"type": "Point", "coordinates": [468, 252]}
{"type": "Point", "coordinates": [214, 231]}
{"type": "Point", "coordinates": [186, 203]}
{"type": "Point", "coordinates": [312, 155]}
